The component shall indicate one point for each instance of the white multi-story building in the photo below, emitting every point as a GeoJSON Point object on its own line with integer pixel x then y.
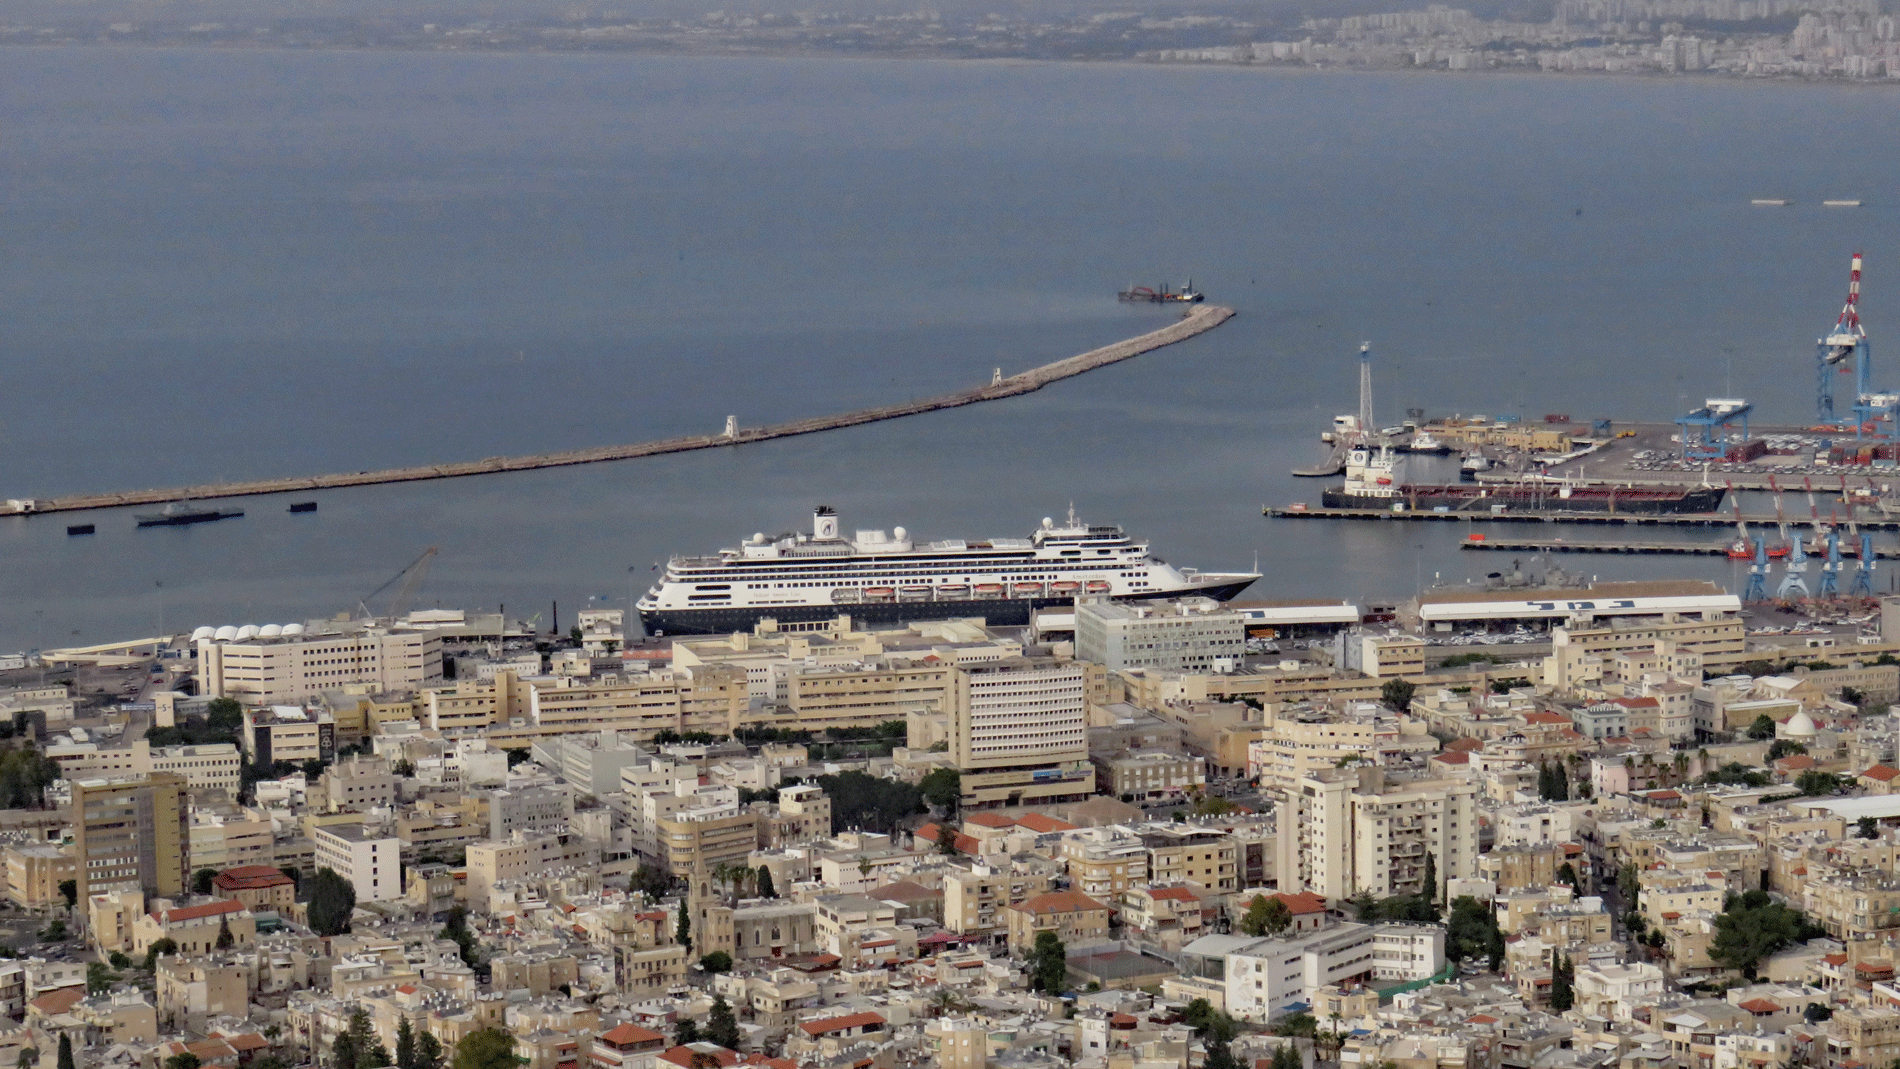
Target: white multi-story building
{"type": "Point", "coordinates": [528, 809]}
{"type": "Point", "coordinates": [1187, 634]}
{"type": "Point", "coordinates": [371, 862]}
{"type": "Point", "coordinates": [289, 663]}
{"type": "Point", "coordinates": [288, 733]}
{"type": "Point", "coordinates": [1354, 829]}
{"type": "Point", "coordinates": [1265, 978]}
{"type": "Point", "coordinates": [1019, 731]}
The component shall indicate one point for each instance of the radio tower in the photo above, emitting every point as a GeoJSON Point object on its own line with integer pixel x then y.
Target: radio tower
{"type": "Point", "coordinates": [1848, 340]}
{"type": "Point", "coordinates": [1365, 389]}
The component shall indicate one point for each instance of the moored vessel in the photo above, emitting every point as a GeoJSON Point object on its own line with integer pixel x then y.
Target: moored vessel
{"type": "Point", "coordinates": [878, 576]}
{"type": "Point", "coordinates": [1371, 483]}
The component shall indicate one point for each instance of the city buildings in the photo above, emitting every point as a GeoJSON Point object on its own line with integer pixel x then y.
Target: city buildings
{"type": "Point", "coordinates": [131, 834]}
{"type": "Point", "coordinates": [1019, 731]}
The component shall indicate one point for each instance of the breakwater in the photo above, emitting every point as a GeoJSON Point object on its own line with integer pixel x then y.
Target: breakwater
{"type": "Point", "coordinates": [1196, 321]}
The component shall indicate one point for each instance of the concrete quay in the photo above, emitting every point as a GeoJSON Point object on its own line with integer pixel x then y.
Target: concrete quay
{"type": "Point", "coordinates": [1198, 320]}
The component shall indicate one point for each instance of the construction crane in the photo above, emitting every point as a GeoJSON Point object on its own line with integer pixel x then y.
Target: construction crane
{"type": "Point", "coordinates": [410, 577]}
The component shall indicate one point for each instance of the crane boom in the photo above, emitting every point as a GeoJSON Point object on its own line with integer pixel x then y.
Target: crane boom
{"type": "Point", "coordinates": [410, 577]}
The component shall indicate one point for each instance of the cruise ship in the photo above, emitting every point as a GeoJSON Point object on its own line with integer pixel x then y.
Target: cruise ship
{"type": "Point", "coordinates": [880, 577]}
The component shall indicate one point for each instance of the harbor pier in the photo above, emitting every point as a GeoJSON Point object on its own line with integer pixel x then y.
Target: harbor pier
{"type": "Point", "coordinates": [1196, 321]}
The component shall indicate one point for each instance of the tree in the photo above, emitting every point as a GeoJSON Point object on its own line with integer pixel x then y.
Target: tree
{"type": "Point", "coordinates": [863, 801]}
{"type": "Point", "coordinates": [488, 1048]}
{"type": "Point", "coordinates": [69, 890]}
{"type": "Point", "coordinates": [1867, 828]}
{"type": "Point", "coordinates": [1429, 885]}
{"type": "Point", "coordinates": [66, 1051]}
{"type": "Point", "coordinates": [766, 890]}
{"type": "Point", "coordinates": [1048, 964]}
{"type": "Point", "coordinates": [1197, 1013]}
{"type": "Point", "coordinates": [1397, 693]}
{"type": "Point", "coordinates": [201, 880]}
{"type": "Point", "coordinates": [166, 945]}
{"type": "Point", "coordinates": [1628, 884]}
{"type": "Point", "coordinates": [29, 1056]}
{"type": "Point", "coordinates": [118, 960]}
{"type": "Point", "coordinates": [456, 930]}
{"type": "Point", "coordinates": [1472, 932]}
{"type": "Point", "coordinates": [1563, 991]}
{"type": "Point", "coordinates": [1220, 1055]}
{"type": "Point", "coordinates": [1286, 1056]}
{"type": "Point", "coordinates": [352, 1049]}
{"type": "Point", "coordinates": [1762, 728]}
{"type": "Point", "coordinates": [1781, 748]}
{"type": "Point", "coordinates": [685, 1031]}
{"type": "Point", "coordinates": [54, 932]}
{"type": "Point", "coordinates": [1752, 926]}
{"type": "Point", "coordinates": [225, 939]}
{"type": "Point", "coordinates": [187, 1060]}
{"type": "Point", "coordinates": [716, 962]}
{"type": "Point", "coordinates": [683, 928]}
{"type": "Point", "coordinates": [405, 1045]}
{"type": "Point", "coordinates": [332, 900]}
{"type": "Point", "coordinates": [1567, 873]}
{"type": "Point", "coordinates": [99, 978]}
{"type": "Point", "coordinates": [721, 1026]}
{"type": "Point", "coordinates": [943, 788]}
{"type": "Point", "coordinates": [1814, 781]}
{"type": "Point", "coordinates": [428, 1052]}
{"type": "Point", "coordinates": [1815, 1013]}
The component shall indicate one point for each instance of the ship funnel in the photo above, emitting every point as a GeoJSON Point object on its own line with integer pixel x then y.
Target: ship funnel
{"type": "Point", "coordinates": [824, 524]}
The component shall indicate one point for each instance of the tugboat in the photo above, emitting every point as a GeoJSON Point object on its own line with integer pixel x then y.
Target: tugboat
{"type": "Point", "coordinates": [1187, 294]}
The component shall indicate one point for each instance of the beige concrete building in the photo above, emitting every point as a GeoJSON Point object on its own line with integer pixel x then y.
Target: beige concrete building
{"type": "Point", "coordinates": [196, 928]}
{"type": "Point", "coordinates": [208, 766]}
{"type": "Point", "coordinates": [1349, 830]}
{"type": "Point", "coordinates": [262, 888]}
{"type": "Point", "coordinates": [1183, 634]}
{"type": "Point", "coordinates": [131, 834]}
{"type": "Point", "coordinates": [223, 837]}
{"type": "Point", "coordinates": [1018, 730]}
{"type": "Point", "coordinates": [491, 863]}
{"type": "Point", "coordinates": [1148, 775]}
{"type": "Point", "coordinates": [973, 901]}
{"type": "Point", "coordinates": [1297, 740]}
{"type": "Point", "coordinates": [288, 733]}
{"type": "Point", "coordinates": [1077, 920]}
{"type": "Point", "coordinates": [267, 668]}
{"type": "Point", "coordinates": [35, 871]}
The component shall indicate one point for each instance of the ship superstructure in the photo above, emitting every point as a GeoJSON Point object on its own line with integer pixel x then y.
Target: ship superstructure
{"type": "Point", "coordinates": [878, 576]}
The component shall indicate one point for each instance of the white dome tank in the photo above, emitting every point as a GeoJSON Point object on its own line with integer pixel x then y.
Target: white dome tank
{"type": "Point", "coordinates": [293, 629]}
{"type": "Point", "coordinates": [203, 633]}
{"type": "Point", "coordinates": [899, 534]}
{"type": "Point", "coordinates": [247, 632]}
{"type": "Point", "coordinates": [225, 633]}
{"type": "Point", "coordinates": [270, 631]}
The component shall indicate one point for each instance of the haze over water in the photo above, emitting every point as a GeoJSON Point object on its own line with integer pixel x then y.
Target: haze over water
{"type": "Point", "coordinates": [224, 265]}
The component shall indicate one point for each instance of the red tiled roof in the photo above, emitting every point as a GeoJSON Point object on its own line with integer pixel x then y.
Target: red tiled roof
{"type": "Point", "coordinates": [964, 843]}
{"type": "Point", "coordinates": [1636, 703]}
{"type": "Point", "coordinates": [1882, 773]}
{"type": "Point", "coordinates": [1058, 902]}
{"type": "Point", "coordinates": [1043, 823]}
{"type": "Point", "coordinates": [990, 820]}
{"type": "Point", "coordinates": [1795, 762]}
{"type": "Point", "coordinates": [1482, 1018]}
{"type": "Point", "coordinates": [839, 1024]}
{"type": "Point", "coordinates": [203, 909]}
{"type": "Point", "coordinates": [621, 1035]}
{"type": "Point", "coordinates": [1456, 757]}
{"type": "Point", "coordinates": [1546, 718]}
{"type": "Point", "coordinates": [1177, 894]}
{"type": "Point", "coordinates": [251, 878]}
{"type": "Point", "coordinates": [1302, 903]}
{"type": "Point", "coordinates": [1836, 959]}
{"type": "Point", "coordinates": [59, 1001]}
{"type": "Point", "coordinates": [1761, 1005]}
{"type": "Point", "coordinates": [1467, 744]}
{"type": "Point", "coordinates": [684, 1056]}
{"type": "Point", "coordinates": [1664, 796]}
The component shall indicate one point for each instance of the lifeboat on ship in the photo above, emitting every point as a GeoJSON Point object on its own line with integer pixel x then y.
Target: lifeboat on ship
{"type": "Point", "coordinates": [880, 593]}
{"type": "Point", "coordinates": [1065, 588]}
{"type": "Point", "coordinates": [953, 591]}
{"type": "Point", "coordinates": [1026, 590]}
{"type": "Point", "coordinates": [1098, 586]}
{"type": "Point", "coordinates": [989, 590]}
{"type": "Point", "coordinates": [913, 593]}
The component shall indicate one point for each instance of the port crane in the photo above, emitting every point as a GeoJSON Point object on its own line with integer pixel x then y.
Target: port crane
{"type": "Point", "coordinates": [1863, 585]}
{"type": "Point", "coordinates": [1843, 350]}
{"type": "Point", "coordinates": [410, 577]}
{"type": "Point", "coordinates": [1757, 589]}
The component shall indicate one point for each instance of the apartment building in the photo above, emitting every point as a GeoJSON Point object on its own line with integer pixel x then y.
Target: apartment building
{"type": "Point", "coordinates": [1105, 862]}
{"type": "Point", "coordinates": [34, 872]}
{"type": "Point", "coordinates": [223, 836]}
{"type": "Point", "coordinates": [1265, 977]}
{"type": "Point", "coordinates": [973, 901]}
{"type": "Point", "coordinates": [492, 863]}
{"type": "Point", "coordinates": [528, 809]}
{"type": "Point", "coordinates": [1186, 854]}
{"type": "Point", "coordinates": [1349, 830]}
{"type": "Point", "coordinates": [1185, 634]}
{"type": "Point", "coordinates": [1077, 920]}
{"type": "Point", "coordinates": [1018, 730]}
{"type": "Point", "coordinates": [288, 733]}
{"type": "Point", "coordinates": [1391, 656]}
{"type": "Point", "coordinates": [208, 766]}
{"type": "Point", "coordinates": [695, 841]}
{"type": "Point", "coordinates": [131, 834]}
{"type": "Point", "coordinates": [370, 861]}
{"type": "Point", "coordinates": [1296, 740]}
{"type": "Point", "coordinates": [1148, 775]}
{"type": "Point", "coordinates": [356, 785]}
{"type": "Point", "coordinates": [286, 664]}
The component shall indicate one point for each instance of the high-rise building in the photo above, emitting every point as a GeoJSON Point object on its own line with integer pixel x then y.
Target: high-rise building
{"type": "Point", "coordinates": [1019, 731]}
{"type": "Point", "coordinates": [1349, 830]}
{"type": "Point", "coordinates": [1186, 634]}
{"type": "Point", "coordinates": [131, 834]}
